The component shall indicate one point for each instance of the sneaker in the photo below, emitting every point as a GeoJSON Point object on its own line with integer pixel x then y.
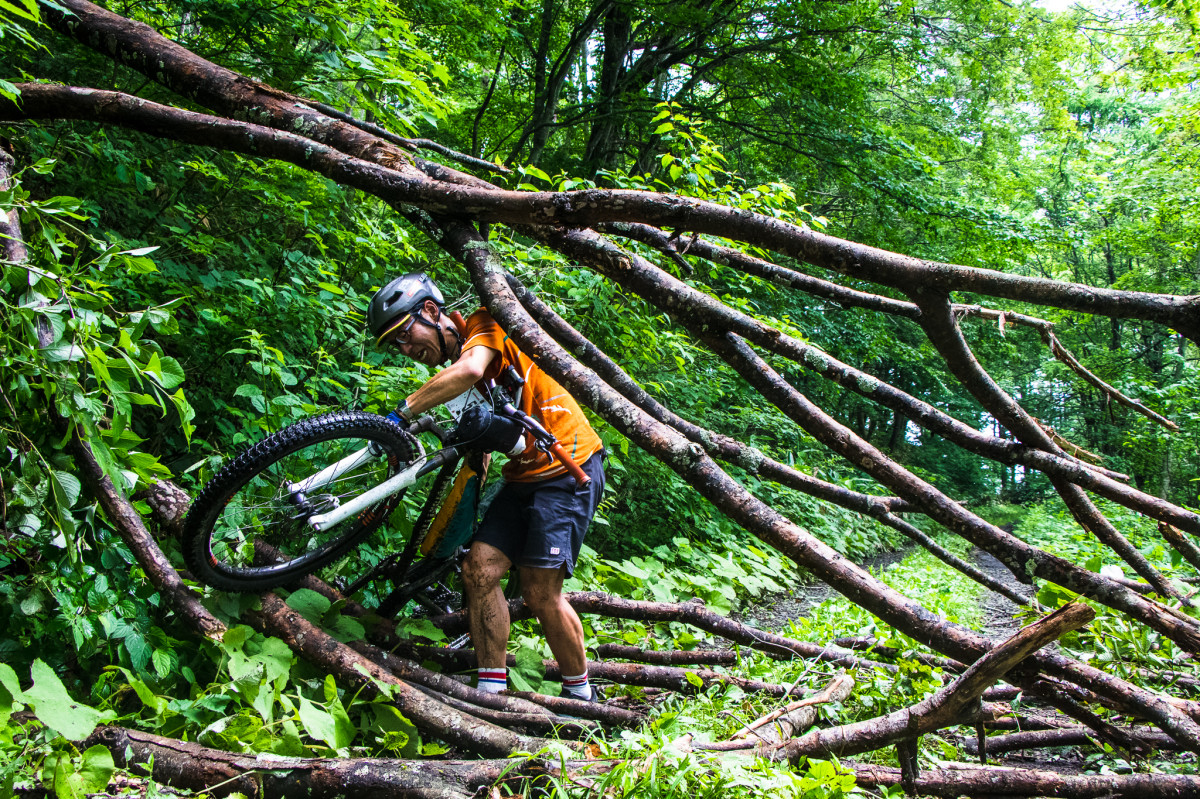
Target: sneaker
{"type": "Point", "coordinates": [597, 694]}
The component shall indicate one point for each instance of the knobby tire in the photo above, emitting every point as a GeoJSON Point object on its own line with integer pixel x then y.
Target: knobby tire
{"type": "Point", "coordinates": [207, 511]}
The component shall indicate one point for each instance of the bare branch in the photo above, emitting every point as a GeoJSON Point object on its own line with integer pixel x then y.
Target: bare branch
{"type": "Point", "coordinates": [129, 526]}
{"type": "Point", "coordinates": [201, 769]}
{"type": "Point", "coordinates": [945, 706]}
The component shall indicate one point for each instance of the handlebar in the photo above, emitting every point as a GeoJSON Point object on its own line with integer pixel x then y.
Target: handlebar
{"type": "Point", "coordinates": [581, 478]}
{"type": "Point", "coordinates": [546, 442]}
{"type": "Point", "coordinates": [439, 459]}
{"type": "Point", "coordinates": [543, 438]}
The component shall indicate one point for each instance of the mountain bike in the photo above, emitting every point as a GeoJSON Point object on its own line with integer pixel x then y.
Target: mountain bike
{"type": "Point", "coordinates": [306, 496]}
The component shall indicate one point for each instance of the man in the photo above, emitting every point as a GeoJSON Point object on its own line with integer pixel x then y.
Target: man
{"type": "Point", "coordinates": [539, 518]}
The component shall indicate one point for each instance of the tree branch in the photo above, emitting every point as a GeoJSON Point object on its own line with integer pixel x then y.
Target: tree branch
{"type": "Point", "coordinates": [946, 705]}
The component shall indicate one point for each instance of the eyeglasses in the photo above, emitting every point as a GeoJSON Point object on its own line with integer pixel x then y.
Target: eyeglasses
{"type": "Point", "coordinates": [401, 333]}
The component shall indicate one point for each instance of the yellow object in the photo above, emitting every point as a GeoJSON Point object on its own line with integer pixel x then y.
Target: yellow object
{"type": "Point", "coordinates": [441, 522]}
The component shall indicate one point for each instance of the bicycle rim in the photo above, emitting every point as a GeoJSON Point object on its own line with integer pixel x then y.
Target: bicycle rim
{"type": "Point", "coordinates": [257, 536]}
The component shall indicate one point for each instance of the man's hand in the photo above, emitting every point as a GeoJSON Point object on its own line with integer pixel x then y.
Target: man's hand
{"type": "Point", "coordinates": [396, 417]}
{"type": "Point", "coordinates": [479, 428]}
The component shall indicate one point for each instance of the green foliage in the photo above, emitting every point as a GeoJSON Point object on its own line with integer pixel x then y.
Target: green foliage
{"type": "Point", "coordinates": [1111, 641]}
{"type": "Point", "coordinates": [16, 18]}
{"type": "Point", "coordinates": [660, 771]}
{"type": "Point", "coordinates": [720, 575]}
{"type": "Point", "coordinates": [42, 748]}
{"type": "Point", "coordinates": [180, 303]}
{"type": "Point", "coordinates": [77, 360]}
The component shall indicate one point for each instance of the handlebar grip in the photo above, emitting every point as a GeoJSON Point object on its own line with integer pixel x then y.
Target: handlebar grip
{"type": "Point", "coordinates": [573, 469]}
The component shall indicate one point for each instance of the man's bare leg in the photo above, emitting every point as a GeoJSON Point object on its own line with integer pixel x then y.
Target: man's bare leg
{"type": "Point", "coordinates": [487, 609]}
{"type": "Point", "coordinates": [542, 591]}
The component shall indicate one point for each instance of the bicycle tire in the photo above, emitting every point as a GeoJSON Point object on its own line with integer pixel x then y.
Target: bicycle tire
{"type": "Point", "coordinates": [246, 501]}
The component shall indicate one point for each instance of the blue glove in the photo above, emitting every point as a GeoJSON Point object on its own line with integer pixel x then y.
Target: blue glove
{"type": "Point", "coordinates": [395, 416]}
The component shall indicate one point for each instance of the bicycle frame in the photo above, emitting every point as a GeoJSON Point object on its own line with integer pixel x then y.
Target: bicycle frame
{"type": "Point", "coordinates": [392, 485]}
{"type": "Point", "coordinates": [423, 465]}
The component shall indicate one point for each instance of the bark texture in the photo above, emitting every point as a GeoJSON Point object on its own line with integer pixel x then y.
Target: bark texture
{"type": "Point", "coordinates": [201, 769]}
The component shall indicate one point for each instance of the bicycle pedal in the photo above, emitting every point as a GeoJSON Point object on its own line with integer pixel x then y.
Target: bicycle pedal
{"type": "Point", "coordinates": [437, 598]}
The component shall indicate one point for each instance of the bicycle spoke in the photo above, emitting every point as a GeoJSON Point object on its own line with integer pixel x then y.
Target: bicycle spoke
{"type": "Point", "coordinates": [264, 510]}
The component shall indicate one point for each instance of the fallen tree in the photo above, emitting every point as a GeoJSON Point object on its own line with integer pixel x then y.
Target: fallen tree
{"type": "Point", "coordinates": [452, 207]}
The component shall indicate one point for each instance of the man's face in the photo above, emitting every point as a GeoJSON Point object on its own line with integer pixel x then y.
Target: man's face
{"type": "Point", "coordinates": [419, 341]}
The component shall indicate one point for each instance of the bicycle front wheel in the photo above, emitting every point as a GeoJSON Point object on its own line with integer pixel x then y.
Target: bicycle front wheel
{"type": "Point", "coordinates": [246, 530]}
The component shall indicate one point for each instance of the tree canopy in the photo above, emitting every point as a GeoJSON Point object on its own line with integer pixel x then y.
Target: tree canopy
{"type": "Point", "coordinates": [692, 214]}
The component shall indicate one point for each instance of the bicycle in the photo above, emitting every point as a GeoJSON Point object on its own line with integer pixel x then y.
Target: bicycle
{"type": "Point", "coordinates": [306, 496]}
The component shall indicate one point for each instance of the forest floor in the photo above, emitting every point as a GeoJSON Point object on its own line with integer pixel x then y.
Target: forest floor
{"type": "Point", "coordinates": [997, 619]}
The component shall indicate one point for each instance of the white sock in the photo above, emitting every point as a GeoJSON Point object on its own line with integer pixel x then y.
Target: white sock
{"type": "Point", "coordinates": [493, 680]}
{"type": "Point", "coordinates": [578, 686]}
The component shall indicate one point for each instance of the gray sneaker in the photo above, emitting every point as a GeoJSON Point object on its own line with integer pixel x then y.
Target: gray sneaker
{"type": "Point", "coordinates": [597, 694]}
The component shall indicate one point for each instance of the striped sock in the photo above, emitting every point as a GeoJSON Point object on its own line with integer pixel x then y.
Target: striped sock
{"type": "Point", "coordinates": [493, 680]}
{"type": "Point", "coordinates": [578, 687]}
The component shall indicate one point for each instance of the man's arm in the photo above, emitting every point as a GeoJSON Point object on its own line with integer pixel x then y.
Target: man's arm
{"type": "Point", "coordinates": [453, 380]}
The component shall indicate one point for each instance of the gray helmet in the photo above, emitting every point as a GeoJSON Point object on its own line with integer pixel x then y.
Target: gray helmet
{"type": "Point", "coordinates": [392, 303]}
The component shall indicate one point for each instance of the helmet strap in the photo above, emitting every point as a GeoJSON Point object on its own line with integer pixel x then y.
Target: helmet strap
{"type": "Point", "coordinates": [437, 328]}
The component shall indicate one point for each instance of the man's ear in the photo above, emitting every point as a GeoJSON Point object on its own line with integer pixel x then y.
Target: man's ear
{"type": "Point", "coordinates": [433, 310]}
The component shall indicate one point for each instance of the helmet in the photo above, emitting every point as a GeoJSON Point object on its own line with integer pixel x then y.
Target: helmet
{"type": "Point", "coordinates": [392, 303]}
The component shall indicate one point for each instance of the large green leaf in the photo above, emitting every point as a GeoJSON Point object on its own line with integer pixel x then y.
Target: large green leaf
{"type": "Point", "coordinates": [55, 708]}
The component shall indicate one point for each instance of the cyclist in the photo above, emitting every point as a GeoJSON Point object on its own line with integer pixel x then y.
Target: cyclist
{"type": "Point", "coordinates": [540, 516]}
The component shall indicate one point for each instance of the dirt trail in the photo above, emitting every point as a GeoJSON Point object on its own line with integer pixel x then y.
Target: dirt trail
{"type": "Point", "coordinates": [774, 612]}
{"type": "Point", "coordinates": [997, 622]}
{"type": "Point", "coordinates": [998, 611]}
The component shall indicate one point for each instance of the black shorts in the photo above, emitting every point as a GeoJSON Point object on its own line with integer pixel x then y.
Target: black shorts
{"type": "Point", "coordinates": [542, 524]}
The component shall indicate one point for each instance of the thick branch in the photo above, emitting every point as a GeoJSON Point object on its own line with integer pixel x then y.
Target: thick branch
{"type": "Point", "coordinates": [128, 524]}
{"type": "Point", "coordinates": [668, 657]}
{"type": "Point", "coordinates": [977, 781]}
{"type": "Point", "coordinates": [201, 769]}
{"type": "Point", "coordinates": [431, 717]}
{"type": "Point", "coordinates": [671, 678]}
{"type": "Point", "coordinates": [1063, 736]}
{"type": "Point", "coordinates": [947, 705]}
{"type": "Point", "coordinates": [12, 244]}
{"type": "Point", "coordinates": [1185, 546]}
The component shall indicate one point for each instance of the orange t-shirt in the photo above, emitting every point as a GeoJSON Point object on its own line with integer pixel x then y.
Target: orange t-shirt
{"type": "Point", "coordinates": [541, 397]}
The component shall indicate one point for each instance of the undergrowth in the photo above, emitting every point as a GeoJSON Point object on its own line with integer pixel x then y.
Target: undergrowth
{"type": "Point", "coordinates": [248, 693]}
